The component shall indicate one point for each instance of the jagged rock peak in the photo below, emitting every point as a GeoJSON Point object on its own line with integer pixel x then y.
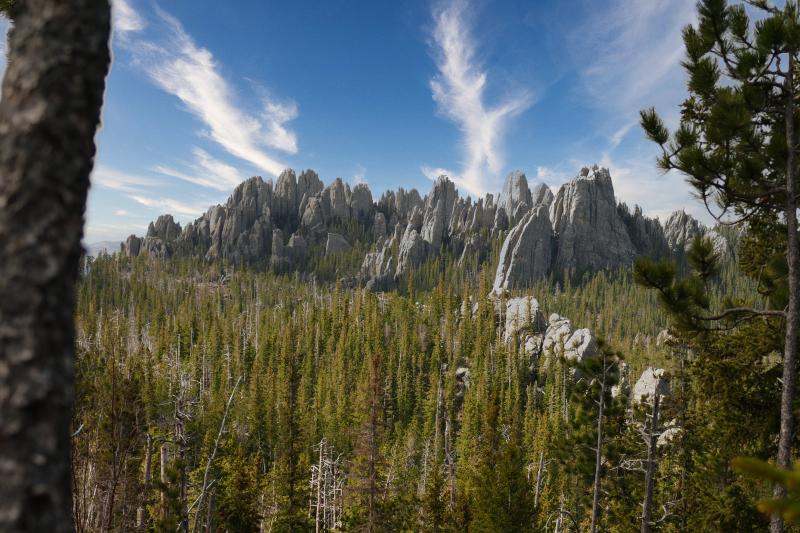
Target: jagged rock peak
{"type": "Point", "coordinates": [165, 228]}
{"type": "Point", "coordinates": [515, 191]}
{"type": "Point", "coordinates": [589, 230]}
{"type": "Point", "coordinates": [542, 195]}
{"type": "Point", "coordinates": [527, 251]}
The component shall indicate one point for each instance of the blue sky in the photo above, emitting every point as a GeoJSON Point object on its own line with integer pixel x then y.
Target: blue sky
{"type": "Point", "coordinates": [203, 95]}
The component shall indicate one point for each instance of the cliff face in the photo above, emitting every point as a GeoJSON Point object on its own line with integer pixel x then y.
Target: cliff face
{"type": "Point", "coordinates": [579, 227]}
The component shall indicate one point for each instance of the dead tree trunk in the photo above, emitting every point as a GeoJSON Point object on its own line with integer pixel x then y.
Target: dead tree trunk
{"type": "Point", "coordinates": [141, 519]}
{"type": "Point", "coordinates": [52, 94]}
{"type": "Point", "coordinates": [652, 443]}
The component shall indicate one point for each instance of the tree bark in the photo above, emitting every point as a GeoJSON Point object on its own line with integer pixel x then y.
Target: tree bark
{"type": "Point", "coordinates": [598, 468]}
{"type": "Point", "coordinates": [52, 95]}
{"type": "Point", "coordinates": [793, 312]}
{"type": "Point", "coordinates": [141, 519]}
{"type": "Point", "coordinates": [649, 478]}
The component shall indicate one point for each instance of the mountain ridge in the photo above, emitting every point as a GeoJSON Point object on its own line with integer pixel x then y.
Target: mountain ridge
{"type": "Point", "coordinates": [580, 227]}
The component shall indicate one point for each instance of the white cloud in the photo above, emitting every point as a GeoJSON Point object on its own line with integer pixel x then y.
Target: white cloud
{"type": "Point", "coordinates": [360, 175]}
{"type": "Point", "coordinates": [126, 19]}
{"type": "Point", "coordinates": [173, 207]}
{"type": "Point", "coordinates": [552, 177]}
{"type": "Point", "coordinates": [458, 89]}
{"type": "Point", "coordinates": [122, 213]}
{"type": "Point", "coordinates": [629, 54]}
{"type": "Point", "coordinates": [178, 66]}
{"type": "Point", "coordinates": [110, 178]}
{"type": "Point", "coordinates": [208, 172]}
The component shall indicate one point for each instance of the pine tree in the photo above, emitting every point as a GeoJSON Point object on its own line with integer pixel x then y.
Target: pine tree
{"type": "Point", "coordinates": [595, 421]}
{"type": "Point", "coordinates": [737, 145]}
{"type": "Point", "coordinates": [503, 500]}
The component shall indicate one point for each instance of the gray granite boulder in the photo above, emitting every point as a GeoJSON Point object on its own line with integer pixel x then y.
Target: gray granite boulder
{"type": "Point", "coordinates": [336, 244]}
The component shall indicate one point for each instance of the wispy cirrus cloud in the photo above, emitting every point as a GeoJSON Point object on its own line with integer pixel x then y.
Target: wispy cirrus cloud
{"type": "Point", "coordinates": [126, 18]}
{"type": "Point", "coordinates": [208, 172]}
{"type": "Point", "coordinates": [176, 64]}
{"type": "Point", "coordinates": [459, 89]}
{"type": "Point", "coordinates": [169, 205]}
{"type": "Point", "coordinates": [110, 178]}
{"type": "Point", "coordinates": [629, 52]}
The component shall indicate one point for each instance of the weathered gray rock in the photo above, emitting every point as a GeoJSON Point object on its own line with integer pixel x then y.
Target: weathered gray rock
{"type": "Point", "coordinates": [680, 228]}
{"type": "Point", "coordinates": [313, 212]}
{"type": "Point", "coordinates": [296, 248]}
{"type": "Point", "coordinates": [131, 247]}
{"type": "Point", "coordinates": [278, 254]}
{"type": "Point", "coordinates": [443, 191]}
{"type": "Point", "coordinates": [589, 231]}
{"type": "Point", "coordinates": [433, 225]}
{"type": "Point", "coordinates": [476, 248]}
{"type": "Point", "coordinates": [336, 244]}
{"type": "Point", "coordinates": [335, 200]}
{"type": "Point", "coordinates": [652, 381]}
{"type": "Point", "coordinates": [559, 330]}
{"type": "Point", "coordinates": [379, 227]}
{"type": "Point", "coordinates": [501, 221]}
{"type": "Point", "coordinates": [523, 316]}
{"type": "Point", "coordinates": [285, 201]}
{"type": "Point", "coordinates": [308, 184]}
{"type": "Point", "coordinates": [406, 202]}
{"type": "Point", "coordinates": [515, 191]}
{"type": "Point", "coordinates": [542, 195]}
{"type": "Point", "coordinates": [165, 228]}
{"type": "Point", "coordinates": [360, 203]}
{"type": "Point", "coordinates": [413, 250]}
{"type": "Point", "coordinates": [527, 251]}
{"type": "Point", "coordinates": [646, 234]}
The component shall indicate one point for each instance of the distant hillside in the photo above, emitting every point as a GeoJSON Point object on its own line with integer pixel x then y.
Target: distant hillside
{"type": "Point", "coordinates": [109, 246]}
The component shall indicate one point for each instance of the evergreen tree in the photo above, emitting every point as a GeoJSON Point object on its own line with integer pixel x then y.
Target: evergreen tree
{"type": "Point", "coordinates": [503, 500]}
{"type": "Point", "coordinates": [596, 424]}
{"type": "Point", "coordinates": [737, 145]}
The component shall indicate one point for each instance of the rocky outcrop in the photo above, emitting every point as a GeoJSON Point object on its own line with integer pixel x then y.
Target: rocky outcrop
{"type": "Point", "coordinates": [413, 250]}
{"type": "Point", "coordinates": [542, 195]}
{"type": "Point", "coordinates": [360, 203]}
{"type": "Point", "coordinates": [579, 228]}
{"type": "Point", "coordinates": [523, 316]}
{"type": "Point", "coordinates": [681, 228]}
{"type": "Point", "coordinates": [244, 232]}
{"type": "Point", "coordinates": [335, 200]}
{"type": "Point", "coordinates": [285, 202]}
{"type": "Point", "coordinates": [589, 231]}
{"type": "Point", "coordinates": [646, 234]}
{"type": "Point", "coordinates": [562, 338]}
{"type": "Point", "coordinates": [336, 244]}
{"type": "Point", "coordinates": [165, 228]}
{"type": "Point", "coordinates": [527, 251]}
{"type": "Point", "coordinates": [652, 381]}
{"type": "Point", "coordinates": [475, 248]}
{"type": "Point", "coordinates": [379, 227]}
{"type": "Point", "coordinates": [515, 191]}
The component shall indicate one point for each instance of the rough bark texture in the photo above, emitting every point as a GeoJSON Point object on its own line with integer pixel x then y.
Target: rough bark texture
{"type": "Point", "coordinates": [50, 109]}
{"type": "Point", "coordinates": [793, 261]}
{"type": "Point", "coordinates": [650, 474]}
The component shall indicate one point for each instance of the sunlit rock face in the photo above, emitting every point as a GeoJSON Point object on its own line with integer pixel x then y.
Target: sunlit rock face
{"type": "Point", "coordinates": [589, 231]}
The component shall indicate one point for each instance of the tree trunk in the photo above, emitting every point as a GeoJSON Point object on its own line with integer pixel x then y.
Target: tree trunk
{"type": "Point", "coordinates": [141, 518]}
{"type": "Point", "coordinates": [210, 521]}
{"type": "Point", "coordinates": [164, 480]}
{"type": "Point", "coordinates": [538, 481]}
{"type": "Point", "coordinates": [599, 463]}
{"type": "Point", "coordinates": [52, 94]}
{"type": "Point", "coordinates": [793, 262]}
{"type": "Point", "coordinates": [652, 443]}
